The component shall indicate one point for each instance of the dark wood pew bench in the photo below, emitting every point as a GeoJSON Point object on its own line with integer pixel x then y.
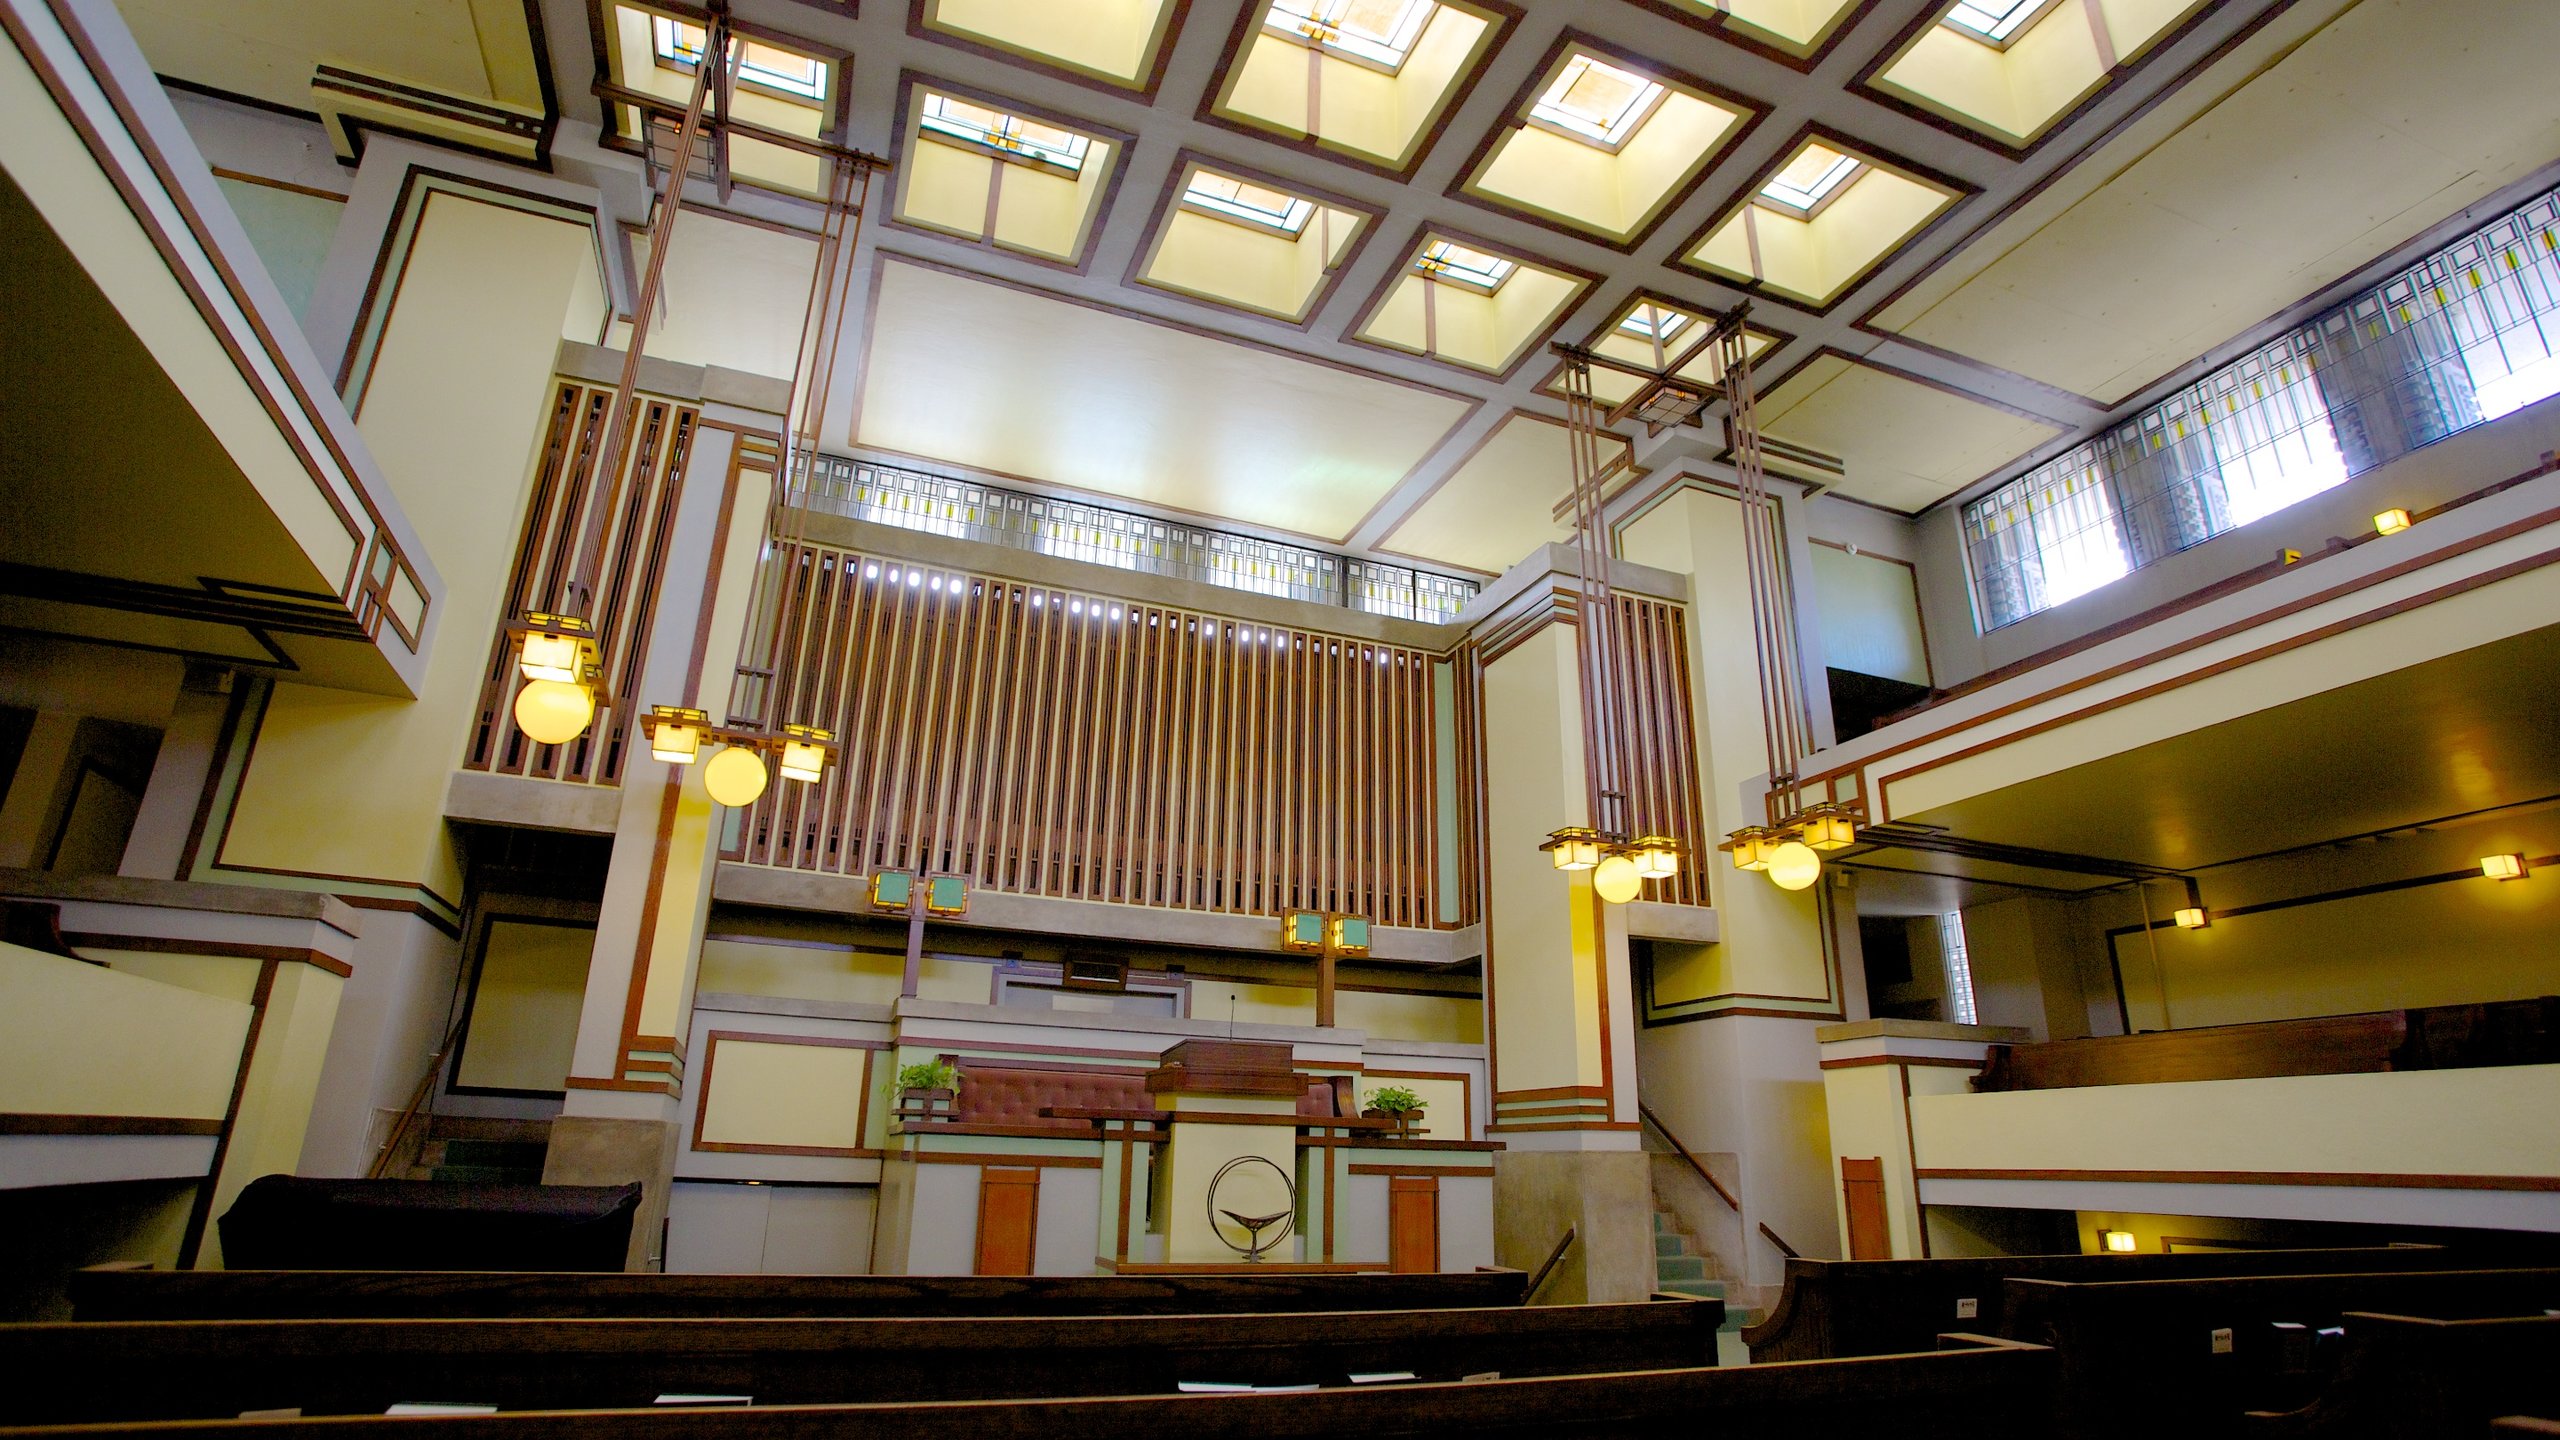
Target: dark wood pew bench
{"type": "Point", "coordinates": [2414, 1378]}
{"type": "Point", "coordinates": [138, 1292]}
{"type": "Point", "coordinates": [1977, 1386]}
{"type": "Point", "coordinates": [2513, 1425]}
{"type": "Point", "coordinates": [1835, 1308]}
{"type": "Point", "coordinates": [2191, 1357]}
{"type": "Point", "coordinates": [144, 1370]}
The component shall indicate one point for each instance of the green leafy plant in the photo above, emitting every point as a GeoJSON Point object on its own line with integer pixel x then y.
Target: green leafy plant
{"type": "Point", "coordinates": [928, 1075]}
{"type": "Point", "coordinates": [1394, 1099]}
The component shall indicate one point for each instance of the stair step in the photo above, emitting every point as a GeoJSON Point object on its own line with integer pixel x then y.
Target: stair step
{"type": "Point", "coordinates": [509, 1154]}
{"type": "Point", "coordinates": [1740, 1317]}
{"type": "Point", "coordinates": [1680, 1267]}
{"type": "Point", "coordinates": [1669, 1245]}
{"type": "Point", "coordinates": [486, 1174]}
{"type": "Point", "coordinates": [1662, 1224]}
{"type": "Point", "coordinates": [1700, 1284]}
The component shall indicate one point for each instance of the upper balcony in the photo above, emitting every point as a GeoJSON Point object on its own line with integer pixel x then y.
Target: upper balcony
{"type": "Point", "coordinates": [179, 474]}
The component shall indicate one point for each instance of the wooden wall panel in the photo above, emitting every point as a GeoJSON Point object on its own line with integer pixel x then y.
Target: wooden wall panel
{"type": "Point", "coordinates": [642, 507]}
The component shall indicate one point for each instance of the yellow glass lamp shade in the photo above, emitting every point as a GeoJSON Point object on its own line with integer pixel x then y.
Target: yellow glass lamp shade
{"type": "Point", "coordinates": [1793, 866]}
{"type": "Point", "coordinates": [1657, 857]}
{"type": "Point", "coordinates": [1828, 829]}
{"type": "Point", "coordinates": [1750, 849]}
{"type": "Point", "coordinates": [2391, 522]}
{"type": "Point", "coordinates": [554, 712]}
{"type": "Point", "coordinates": [2502, 867]}
{"type": "Point", "coordinates": [804, 753]}
{"type": "Point", "coordinates": [2192, 917]}
{"type": "Point", "coordinates": [550, 657]}
{"type": "Point", "coordinates": [1575, 847]}
{"type": "Point", "coordinates": [1617, 880]}
{"type": "Point", "coordinates": [734, 776]}
{"type": "Point", "coordinates": [675, 734]}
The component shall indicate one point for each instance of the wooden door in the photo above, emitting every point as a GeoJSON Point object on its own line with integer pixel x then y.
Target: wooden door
{"type": "Point", "coordinates": [1008, 1220]}
{"type": "Point", "coordinates": [1862, 1191]}
{"type": "Point", "coordinates": [1413, 1224]}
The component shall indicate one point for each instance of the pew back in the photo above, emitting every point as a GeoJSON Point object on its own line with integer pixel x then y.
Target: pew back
{"type": "Point", "coordinates": [87, 1371]}
{"type": "Point", "coordinates": [2157, 1357]}
{"type": "Point", "coordinates": [1979, 1384]}
{"type": "Point", "coordinates": [1836, 1308]}
{"type": "Point", "coordinates": [2428, 1379]}
{"type": "Point", "coordinates": [130, 1292]}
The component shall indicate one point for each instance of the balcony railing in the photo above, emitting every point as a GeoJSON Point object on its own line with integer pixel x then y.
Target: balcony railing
{"type": "Point", "coordinates": [1098, 535]}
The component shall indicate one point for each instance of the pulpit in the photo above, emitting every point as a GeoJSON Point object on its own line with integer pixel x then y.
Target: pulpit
{"type": "Point", "coordinates": [1229, 1101]}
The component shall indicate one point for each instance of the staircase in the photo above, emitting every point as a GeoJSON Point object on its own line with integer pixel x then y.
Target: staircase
{"type": "Point", "coordinates": [487, 1152]}
{"type": "Point", "coordinates": [1679, 1269]}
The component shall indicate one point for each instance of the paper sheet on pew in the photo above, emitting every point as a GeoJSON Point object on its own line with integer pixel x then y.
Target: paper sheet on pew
{"type": "Point", "coordinates": [681, 1398]}
{"type": "Point", "coordinates": [439, 1407]}
{"type": "Point", "coordinates": [1220, 1387]}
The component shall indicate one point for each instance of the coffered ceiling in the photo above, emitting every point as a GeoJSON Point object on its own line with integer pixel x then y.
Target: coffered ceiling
{"type": "Point", "coordinates": [1305, 281]}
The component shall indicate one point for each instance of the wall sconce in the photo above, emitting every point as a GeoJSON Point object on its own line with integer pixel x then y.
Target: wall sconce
{"type": "Point", "coordinates": [2391, 521]}
{"type": "Point", "coordinates": [893, 891]}
{"type": "Point", "coordinates": [2502, 867]}
{"type": "Point", "coordinates": [946, 895]}
{"type": "Point", "coordinates": [2118, 1242]}
{"type": "Point", "coordinates": [1350, 934]}
{"type": "Point", "coordinates": [2192, 917]}
{"type": "Point", "coordinates": [2288, 557]}
{"type": "Point", "coordinates": [1302, 931]}
{"type": "Point", "coordinates": [1575, 847]}
{"type": "Point", "coordinates": [675, 733]}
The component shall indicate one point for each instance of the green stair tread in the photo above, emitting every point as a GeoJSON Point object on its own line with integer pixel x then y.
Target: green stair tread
{"type": "Point", "coordinates": [486, 1174]}
{"type": "Point", "coordinates": [1681, 1267]}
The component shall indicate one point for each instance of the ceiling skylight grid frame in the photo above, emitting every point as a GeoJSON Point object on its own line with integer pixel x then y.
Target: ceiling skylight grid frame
{"type": "Point", "coordinates": [1502, 19]}
{"type": "Point", "coordinates": [912, 84]}
{"type": "Point", "coordinates": [1554, 384]}
{"type": "Point", "coordinates": [1613, 135]}
{"type": "Point", "coordinates": [1171, 199]}
{"type": "Point", "coordinates": [1300, 28]}
{"type": "Point", "coordinates": [1960, 193]}
{"type": "Point", "coordinates": [2124, 71]}
{"type": "Point", "coordinates": [1751, 113]}
{"type": "Point", "coordinates": [2020, 17]}
{"type": "Point", "coordinates": [1168, 32]}
{"type": "Point", "coordinates": [615, 97]}
{"type": "Point", "coordinates": [1741, 33]}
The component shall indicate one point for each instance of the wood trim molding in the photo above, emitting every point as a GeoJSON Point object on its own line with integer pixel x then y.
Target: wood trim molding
{"type": "Point", "coordinates": [2543, 1184]}
{"type": "Point", "coordinates": [227, 949]}
{"type": "Point", "coordinates": [31, 1124]}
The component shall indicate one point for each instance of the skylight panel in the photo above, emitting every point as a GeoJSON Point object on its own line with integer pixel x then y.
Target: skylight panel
{"type": "Point", "coordinates": [1814, 176]}
{"type": "Point", "coordinates": [805, 76]}
{"type": "Point", "coordinates": [1652, 322]}
{"type": "Point", "coordinates": [1596, 101]}
{"type": "Point", "coordinates": [1450, 261]}
{"type": "Point", "coordinates": [1996, 22]}
{"type": "Point", "coordinates": [1380, 32]}
{"type": "Point", "coordinates": [1256, 205]}
{"type": "Point", "coordinates": [1009, 135]}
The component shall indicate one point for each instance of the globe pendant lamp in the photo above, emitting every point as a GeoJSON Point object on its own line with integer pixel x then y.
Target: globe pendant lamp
{"type": "Point", "coordinates": [1617, 880]}
{"type": "Point", "coordinates": [554, 712]}
{"type": "Point", "coordinates": [734, 776]}
{"type": "Point", "coordinates": [1793, 866]}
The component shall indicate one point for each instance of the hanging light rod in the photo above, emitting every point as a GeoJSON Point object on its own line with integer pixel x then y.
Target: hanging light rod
{"type": "Point", "coordinates": [660, 106]}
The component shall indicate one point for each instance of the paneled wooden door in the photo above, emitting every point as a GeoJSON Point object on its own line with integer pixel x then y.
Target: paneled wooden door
{"type": "Point", "coordinates": [1413, 1224]}
{"type": "Point", "coordinates": [1008, 1220]}
{"type": "Point", "coordinates": [1862, 1195]}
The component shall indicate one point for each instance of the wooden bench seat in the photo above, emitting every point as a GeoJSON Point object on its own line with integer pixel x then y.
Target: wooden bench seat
{"type": "Point", "coordinates": [136, 1292]}
{"type": "Point", "coordinates": [1977, 1386]}
{"type": "Point", "coordinates": [87, 1371]}
{"type": "Point", "coordinates": [2415, 1378]}
{"type": "Point", "coordinates": [2191, 1357]}
{"type": "Point", "coordinates": [1836, 1308]}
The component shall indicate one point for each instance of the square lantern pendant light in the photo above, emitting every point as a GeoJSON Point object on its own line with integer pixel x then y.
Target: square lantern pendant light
{"type": "Point", "coordinates": [2391, 522]}
{"type": "Point", "coordinates": [1828, 827]}
{"type": "Point", "coordinates": [675, 733]}
{"type": "Point", "coordinates": [804, 752]}
{"type": "Point", "coordinates": [1575, 847]}
{"type": "Point", "coordinates": [1657, 857]}
{"type": "Point", "coordinates": [556, 647]}
{"type": "Point", "coordinates": [2192, 917]}
{"type": "Point", "coordinates": [1750, 847]}
{"type": "Point", "coordinates": [2502, 867]}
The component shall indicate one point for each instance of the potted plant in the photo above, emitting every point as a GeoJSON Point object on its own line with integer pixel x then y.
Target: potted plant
{"type": "Point", "coordinates": [928, 1090]}
{"type": "Point", "coordinates": [1396, 1103]}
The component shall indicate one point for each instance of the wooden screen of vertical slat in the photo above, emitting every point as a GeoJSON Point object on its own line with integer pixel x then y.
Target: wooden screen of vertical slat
{"type": "Point", "coordinates": [1662, 770]}
{"type": "Point", "coordinates": [1053, 743]}
{"type": "Point", "coordinates": [641, 507]}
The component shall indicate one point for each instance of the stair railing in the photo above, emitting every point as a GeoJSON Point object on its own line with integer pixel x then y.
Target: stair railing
{"type": "Point", "coordinates": [1557, 1254]}
{"type": "Point", "coordinates": [1685, 1153]}
{"type": "Point", "coordinates": [417, 1103]}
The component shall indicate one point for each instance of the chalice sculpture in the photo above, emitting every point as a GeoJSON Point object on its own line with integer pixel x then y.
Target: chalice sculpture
{"type": "Point", "coordinates": [1286, 1218]}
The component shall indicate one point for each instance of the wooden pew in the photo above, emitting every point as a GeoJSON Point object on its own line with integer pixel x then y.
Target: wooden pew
{"type": "Point", "coordinates": [1977, 1386]}
{"type": "Point", "coordinates": [138, 1292]}
{"type": "Point", "coordinates": [2190, 1357]}
{"type": "Point", "coordinates": [1836, 1308]}
{"type": "Point", "coordinates": [2524, 1425]}
{"type": "Point", "coordinates": [2420, 1379]}
{"type": "Point", "coordinates": [87, 1371]}
{"type": "Point", "coordinates": [2442, 1037]}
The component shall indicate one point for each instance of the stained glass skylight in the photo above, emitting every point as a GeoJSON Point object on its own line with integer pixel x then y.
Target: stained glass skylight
{"type": "Point", "coordinates": [1009, 135]}
{"type": "Point", "coordinates": [1814, 176]}
{"type": "Point", "coordinates": [1456, 262]}
{"type": "Point", "coordinates": [1380, 32]}
{"type": "Point", "coordinates": [1596, 101]}
{"type": "Point", "coordinates": [803, 75]}
{"type": "Point", "coordinates": [1995, 21]}
{"type": "Point", "coordinates": [1652, 322]}
{"type": "Point", "coordinates": [1259, 205]}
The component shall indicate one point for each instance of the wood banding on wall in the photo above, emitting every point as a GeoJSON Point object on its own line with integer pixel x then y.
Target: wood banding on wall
{"type": "Point", "coordinates": [1051, 743]}
{"type": "Point", "coordinates": [642, 501]}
